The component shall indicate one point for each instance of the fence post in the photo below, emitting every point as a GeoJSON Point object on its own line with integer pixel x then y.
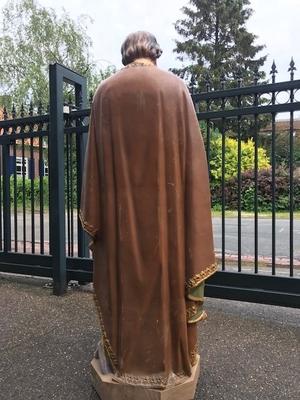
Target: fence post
{"type": "Point", "coordinates": [56, 181]}
{"type": "Point", "coordinates": [58, 74]}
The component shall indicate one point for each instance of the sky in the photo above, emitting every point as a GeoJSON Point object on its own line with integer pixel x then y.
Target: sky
{"type": "Point", "coordinates": [275, 22]}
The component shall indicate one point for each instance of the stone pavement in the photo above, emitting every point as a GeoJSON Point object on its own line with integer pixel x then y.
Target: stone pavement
{"type": "Point", "coordinates": [248, 351]}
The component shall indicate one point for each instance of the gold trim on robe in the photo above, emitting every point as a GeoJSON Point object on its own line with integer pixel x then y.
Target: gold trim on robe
{"type": "Point", "coordinates": [201, 276]}
{"type": "Point", "coordinates": [86, 226]}
{"type": "Point", "coordinates": [104, 339]}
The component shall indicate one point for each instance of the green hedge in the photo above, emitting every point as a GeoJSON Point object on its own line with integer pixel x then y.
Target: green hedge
{"type": "Point", "coordinates": [20, 196]}
{"type": "Point", "coordinates": [264, 182]}
{"type": "Point", "coordinates": [27, 191]}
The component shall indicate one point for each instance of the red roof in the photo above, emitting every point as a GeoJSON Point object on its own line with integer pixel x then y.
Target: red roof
{"type": "Point", "coordinates": [282, 126]}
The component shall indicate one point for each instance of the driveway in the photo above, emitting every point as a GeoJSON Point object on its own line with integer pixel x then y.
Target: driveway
{"type": "Point", "coordinates": [248, 351]}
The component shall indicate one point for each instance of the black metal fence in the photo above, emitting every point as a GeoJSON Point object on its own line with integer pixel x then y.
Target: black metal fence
{"type": "Point", "coordinates": [252, 115]}
{"type": "Point", "coordinates": [41, 165]}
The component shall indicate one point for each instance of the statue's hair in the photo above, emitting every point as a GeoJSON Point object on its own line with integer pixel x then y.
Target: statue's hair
{"type": "Point", "coordinates": [140, 44]}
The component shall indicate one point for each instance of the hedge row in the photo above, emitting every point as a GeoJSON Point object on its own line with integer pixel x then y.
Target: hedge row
{"type": "Point", "coordinates": [264, 183]}
{"type": "Point", "coordinates": [25, 192]}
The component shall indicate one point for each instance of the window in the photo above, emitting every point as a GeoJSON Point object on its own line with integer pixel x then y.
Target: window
{"type": "Point", "coordinates": [45, 168]}
{"type": "Point", "coordinates": [22, 167]}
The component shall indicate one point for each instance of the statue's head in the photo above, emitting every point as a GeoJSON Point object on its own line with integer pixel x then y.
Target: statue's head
{"type": "Point", "coordinates": [140, 44]}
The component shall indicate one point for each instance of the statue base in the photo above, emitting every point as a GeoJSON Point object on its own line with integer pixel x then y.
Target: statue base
{"type": "Point", "coordinates": [110, 390]}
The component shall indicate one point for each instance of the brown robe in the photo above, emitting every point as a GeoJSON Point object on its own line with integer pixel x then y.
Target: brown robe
{"type": "Point", "coordinates": [146, 203]}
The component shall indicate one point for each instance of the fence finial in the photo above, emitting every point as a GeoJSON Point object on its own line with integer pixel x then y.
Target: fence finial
{"type": "Point", "coordinates": [192, 82]}
{"type": "Point", "coordinates": [31, 108]}
{"type": "Point", "coordinates": [239, 76]}
{"type": "Point", "coordinates": [256, 75]}
{"type": "Point", "coordinates": [207, 81]}
{"type": "Point", "coordinates": [40, 108]}
{"type": "Point", "coordinates": [13, 111]}
{"type": "Point", "coordinates": [273, 71]}
{"type": "Point", "coordinates": [91, 97]}
{"type": "Point", "coordinates": [222, 78]}
{"type": "Point", "coordinates": [292, 68]}
{"type": "Point", "coordinates": [22, 111]}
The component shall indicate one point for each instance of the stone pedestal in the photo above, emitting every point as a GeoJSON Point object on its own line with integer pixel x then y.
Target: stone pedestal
{"type": "Point", "coordinates": [110, 390]}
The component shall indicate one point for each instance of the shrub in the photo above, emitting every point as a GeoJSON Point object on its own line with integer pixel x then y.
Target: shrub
{"type": "Point", "coordinates": [231, 157]}
{"type": "Point", "coordinates": [36, 192]}
{"type": "Point", "coordinates": [27, 191]}
{"type": "Point", "coordinates": [282, 147]}
{"type": "Point", "coordinates": [264, 194]}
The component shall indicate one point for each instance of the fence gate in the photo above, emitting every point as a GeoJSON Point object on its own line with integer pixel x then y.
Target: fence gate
{"type": "Point", "coordinates": [41, 162]}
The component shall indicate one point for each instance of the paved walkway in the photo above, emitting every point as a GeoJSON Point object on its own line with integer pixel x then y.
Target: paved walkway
{"type": "Point", "coordinates": [249, 351]}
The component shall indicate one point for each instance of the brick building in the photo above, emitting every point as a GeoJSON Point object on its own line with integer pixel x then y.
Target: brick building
{"type": "Point", "coordinates": [30, 166]}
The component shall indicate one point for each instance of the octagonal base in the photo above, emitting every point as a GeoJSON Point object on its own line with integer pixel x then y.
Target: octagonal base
{"type": "Point", "coordinates": [107, 389]}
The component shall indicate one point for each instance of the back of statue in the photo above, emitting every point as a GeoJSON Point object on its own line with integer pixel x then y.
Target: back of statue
{"type": "Point", "coordinates": [146, 204]}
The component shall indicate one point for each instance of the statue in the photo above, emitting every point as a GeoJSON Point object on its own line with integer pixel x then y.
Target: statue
{"type": "Point", "coordinates": [145, 203]}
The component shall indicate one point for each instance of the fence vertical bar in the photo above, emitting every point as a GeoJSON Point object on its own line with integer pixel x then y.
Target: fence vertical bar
{"type": "Point", "coordinates": [56, 183]}
{"type": "Point", "coordinates": [24, 171]}
{"type": "Point", "coordinates": [6, 196]}
{"type": "Point", "coordinates": [15, 198]}
{"type": "Point", "coordinates": [207, 84]}
{"type": "Point", "coordinates": [273, 161]}
{"type": "Point", "coordinates": [41, 192]}
{"type": "Point", "coordinates": [69, 193]}
{"type": "Point", "coordinates": [32, 176]}
{"type": "Point", "coordinates": [81, 140]}
{"type": "Point", "coordinates": [292, 68]}
{"type": "Point", "coordinates": [239, 180]}
{"type": "Point", "coordinates": [256, 181]}
{"type": "Point", "coordinates": [41, 182]}
{"type": "Point", "coordinates": [1, 172]}
{"type": "Point", "coordinates": [291, 178]}
{"type": "Point", "coordinates": [223, 173]}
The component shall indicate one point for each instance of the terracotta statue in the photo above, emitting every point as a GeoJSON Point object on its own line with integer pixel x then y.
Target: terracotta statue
{"type": "Point", "coordinates": [146, 204]}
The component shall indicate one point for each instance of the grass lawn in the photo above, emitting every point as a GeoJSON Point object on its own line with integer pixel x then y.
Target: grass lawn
{"type": "Point", "coordinates": [247, 214]}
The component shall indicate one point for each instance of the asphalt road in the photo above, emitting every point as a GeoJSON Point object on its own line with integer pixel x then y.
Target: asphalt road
{"type": "Point", "coordinates": [231, 234]}
{"type": "Point", "coordinates": [264, 236]}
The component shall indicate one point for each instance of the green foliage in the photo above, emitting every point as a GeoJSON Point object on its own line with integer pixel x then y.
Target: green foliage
{"type": "Point", "coordinates": [231, 157]}
{"type": "Point", "coordinates": [31, 37]}
{"type": "Point", "coordinates": [216, 46]}
{"type": "Point", "coordinates": [24, 192]}
{"type": "Point", "coordinates": [264, 192]}
{"type": "Point", "coordinates": [282, 147]}
{"type": "Point", "coordinates": [28, 193]}
{"type": "Point", "coordinates": [216, 41]}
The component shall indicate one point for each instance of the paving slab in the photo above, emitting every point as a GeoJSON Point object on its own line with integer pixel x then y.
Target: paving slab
{"type": "Point", "coordinates": [248, 351]}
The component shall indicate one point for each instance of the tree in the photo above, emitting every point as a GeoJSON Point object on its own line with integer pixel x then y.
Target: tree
{"type": "Point", "coordinates": [33, 36]}
{"type": "Point", "coordinates": [217, 42]}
